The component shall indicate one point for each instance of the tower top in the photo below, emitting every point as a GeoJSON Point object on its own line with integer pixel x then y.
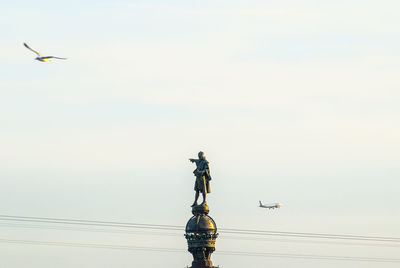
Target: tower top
{"type": "Point", "coordinates": [201, 229]}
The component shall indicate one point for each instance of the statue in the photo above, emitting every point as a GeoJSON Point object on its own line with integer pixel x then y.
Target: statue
{"type": "Point", "coordinates": [202, 173]}
{"type": "Point", "coordinates": [201, 230]}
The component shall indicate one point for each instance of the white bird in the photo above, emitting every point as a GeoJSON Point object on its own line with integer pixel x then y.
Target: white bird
{"type": "Point", "coordinates": [42, 58]}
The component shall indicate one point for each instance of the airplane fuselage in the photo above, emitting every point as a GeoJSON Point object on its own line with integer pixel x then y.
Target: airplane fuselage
{"type": "Point", "coordinates": [269, 206]}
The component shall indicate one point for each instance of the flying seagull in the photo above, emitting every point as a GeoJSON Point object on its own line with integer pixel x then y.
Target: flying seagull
{"type": "Point", "coordinates": [42, 58]}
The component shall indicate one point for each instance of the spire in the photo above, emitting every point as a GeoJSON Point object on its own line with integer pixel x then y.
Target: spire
{"type": "Point", "coordinates": [201, 233]}
{"type": "Point", "coordinates": [201, 229]}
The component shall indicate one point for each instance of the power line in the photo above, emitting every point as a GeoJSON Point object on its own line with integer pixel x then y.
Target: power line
{"type": "Point", "coordinates": [180, 228]}
{"type": "Point", "coordinates": [96, 230]}
{"type": "Point", "coordinates": [149, 232]}
{"type": "Point", "coordinates": [230, 253]}
{"type": "Point", "coordinates": [311, 241]}
{"type": "Point", "coordinates": [90, 222]}
{"type": "Point", "coordinates": [303, 256]}
{"type": "Point", "coordinates": [313, 235]}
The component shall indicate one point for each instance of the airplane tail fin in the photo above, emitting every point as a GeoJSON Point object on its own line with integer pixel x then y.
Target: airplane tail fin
{"type": "Point", "coordinates": [260, 203]}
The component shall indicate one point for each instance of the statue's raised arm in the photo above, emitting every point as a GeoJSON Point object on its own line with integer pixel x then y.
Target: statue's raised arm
{"type": "Point", "coordinates": [202, 173]}
{"type": "Point", "coordinates": [193, 160]}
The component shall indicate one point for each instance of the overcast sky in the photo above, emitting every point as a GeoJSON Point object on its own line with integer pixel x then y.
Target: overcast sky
{"type": "Point", "coordinates": [292, 101]}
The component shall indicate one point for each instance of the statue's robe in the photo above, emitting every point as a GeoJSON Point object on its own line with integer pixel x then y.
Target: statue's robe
{"type": "Point", "coordinates": [202, 173]}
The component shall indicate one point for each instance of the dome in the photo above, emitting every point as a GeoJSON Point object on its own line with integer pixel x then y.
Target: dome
{"type": "Point", "coordinates": [201, 224]}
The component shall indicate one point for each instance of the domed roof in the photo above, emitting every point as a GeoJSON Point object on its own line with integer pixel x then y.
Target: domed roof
{"type": "Point", "coordinates": [201, 223]}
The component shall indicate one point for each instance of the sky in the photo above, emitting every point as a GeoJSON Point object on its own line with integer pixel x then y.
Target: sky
{"type": "Point", "coordinates": [292, 101]}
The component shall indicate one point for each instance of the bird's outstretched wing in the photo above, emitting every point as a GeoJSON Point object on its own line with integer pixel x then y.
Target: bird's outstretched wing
{"type": "Point", "coordinates": [37, 53]}
{"type": "Point", "coordinates": [53, 57]}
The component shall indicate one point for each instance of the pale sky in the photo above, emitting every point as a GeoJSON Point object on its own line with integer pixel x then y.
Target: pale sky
{"type": "Point", "coordinates": [292, 101]}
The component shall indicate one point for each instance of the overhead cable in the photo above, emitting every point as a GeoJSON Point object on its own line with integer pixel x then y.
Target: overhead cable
{"type": "Point", "coordinates": [230, 253]}
{"type": "Point", "coordinates": [179, 228]}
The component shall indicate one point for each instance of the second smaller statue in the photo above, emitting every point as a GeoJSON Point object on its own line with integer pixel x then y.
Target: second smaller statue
{"type": "Point", "coordinates": [202, 173]}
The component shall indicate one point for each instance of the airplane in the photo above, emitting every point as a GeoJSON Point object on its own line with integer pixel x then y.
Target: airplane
{"type": "Point", "coordinates": [269, 206]}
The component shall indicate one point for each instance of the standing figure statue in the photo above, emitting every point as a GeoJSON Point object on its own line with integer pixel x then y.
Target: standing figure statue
{"type": "Point", "coordinates": [202, 173]}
